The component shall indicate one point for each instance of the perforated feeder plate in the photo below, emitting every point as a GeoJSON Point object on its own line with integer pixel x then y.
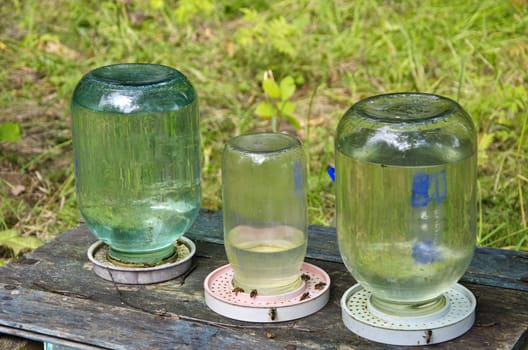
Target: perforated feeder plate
{"type": "Point", "coordinates": [106, 269]}
{"type": "Point", "coordinates": [309, 298]}
{"type": "Point", "coordinates": [453, 320]}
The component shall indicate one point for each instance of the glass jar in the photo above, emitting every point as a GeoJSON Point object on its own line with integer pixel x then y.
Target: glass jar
{"type": "Point", "coordinates": [137, 158]}
{"type": "Point", "coordinates": [265, 211]}
{"type": "Point", "coordinates": [406, 166]}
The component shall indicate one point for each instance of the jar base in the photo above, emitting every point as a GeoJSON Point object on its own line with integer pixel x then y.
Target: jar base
{"type": "Point", "coordinates": [274, 290]}
{"type": "Point", "coordinates": [152, 258]}
{"type": "Point", "coordinates": [407, 309]}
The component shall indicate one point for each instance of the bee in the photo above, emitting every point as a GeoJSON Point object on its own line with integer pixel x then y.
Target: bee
{"type": "Point", "coordinates": [253, 293]}
{"type": "Point", "coordinates": [273, 314]}
{"type": "Point", "coordinates": [160, 312]}
{"type": "Point", "coordinates": [305, 296]}
{"type": "Point", "coordinates": [320, 285]}
{"type": "Point", "coordinates": [305, 277]}
{"type": "Point", "coordinates": [428, 335]}
{"type": "Point", "coordinates": [237, 290]}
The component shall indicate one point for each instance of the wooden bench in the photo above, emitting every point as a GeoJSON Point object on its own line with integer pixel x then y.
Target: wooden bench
{"type": "Point", "coordinates": [52, 295]}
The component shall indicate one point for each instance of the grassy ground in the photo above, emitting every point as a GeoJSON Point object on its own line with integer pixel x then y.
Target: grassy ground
{"type": "Point", "coordinates": [336, 51]}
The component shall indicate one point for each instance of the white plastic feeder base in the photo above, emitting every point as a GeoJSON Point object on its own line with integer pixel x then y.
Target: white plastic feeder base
{"type": "Point", "coordinates": [455, 319]}
{"type": "Point", "coordinates": [309, 298]}
{"type": "Point", "coordinates": [141, 275]}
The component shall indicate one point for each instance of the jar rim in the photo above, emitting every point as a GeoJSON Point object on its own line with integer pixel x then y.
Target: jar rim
{"type": "Point", "coordinates": [405, 107]}
{"type": "Point", "coordinates": [264, 143]}
{"type": "Point", "coordinates": [131, 88]}
{"type": "Point", "coordinates": [132, 75]}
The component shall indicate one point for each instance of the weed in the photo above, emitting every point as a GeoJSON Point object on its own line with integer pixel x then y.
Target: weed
{"type": "Point", "coordinates": [278, 105]}
{"type": "Point", "coordinates": [10, 132]}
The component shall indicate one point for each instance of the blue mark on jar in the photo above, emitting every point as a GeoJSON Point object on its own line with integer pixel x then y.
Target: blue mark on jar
{"type": "Point", "coordinates": [331, 172]}
{"type": "Point", "coordinates": [425, 189]}
{"type": "Point", "coordinates": [420, 190]}
{"type": "Point", "coordinates": [428, 187]}
{"type": "Point", "coordinates": [426, 252]}
{"type": "Point", "coordinates": [440, 182]}
{"type": "Point", "coordinates": [298, 175]}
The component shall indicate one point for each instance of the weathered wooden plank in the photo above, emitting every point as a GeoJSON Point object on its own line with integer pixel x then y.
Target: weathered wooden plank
{"type": "Point", "coordinates": [490, 266]}
{"type": "Point", "coordinates": [499, 267]}
{"type": "Point", "coordinates": [52, 292]}
{"type": "Point", "coordinates": [106, 326]}
{"type": "Point", "coordinates": [124, 328]}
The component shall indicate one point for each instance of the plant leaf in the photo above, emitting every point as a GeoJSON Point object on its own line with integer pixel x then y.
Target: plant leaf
{"type": "Point", "coordinates": [287, 87]}
{"type": "Point", "coordinates": [10, 131]}
{"type": "Point", "coordinates": [286, 108]}
{"type": "Point", "coordinates": [293, 121]}
{"type": "Point", "coordinates": [271, 87]}
{"type": "Point", "coordinates": [157, 4]}
{"type": "Point", "coordinates": [265, 110]}
{"type": "Point", "coordinates": [14, 241]}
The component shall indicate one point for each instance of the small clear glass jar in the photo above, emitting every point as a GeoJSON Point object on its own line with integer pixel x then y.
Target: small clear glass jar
{"type": "Point", "coordinates": [137, 158]}
{"type": "Point", "coordinates": [265, 211]}
{"type": "Point", "coordinates": [406, 167]}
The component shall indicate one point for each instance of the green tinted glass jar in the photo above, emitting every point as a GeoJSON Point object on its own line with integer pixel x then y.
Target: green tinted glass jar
{"type": "Point", "coordinates": [137, 158]}
{"type": "Point", "coordinates": [406, 168]}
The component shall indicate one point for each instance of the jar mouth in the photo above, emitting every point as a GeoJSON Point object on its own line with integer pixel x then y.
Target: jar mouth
{"type": "Point", "coordinates": [260, 143]}
{"type": "Point", "coordinates": [134, 74]}
{"type": "Point", "coordinates": [132, 88]}
{"type": "Point", "coordinates": [405, 107]}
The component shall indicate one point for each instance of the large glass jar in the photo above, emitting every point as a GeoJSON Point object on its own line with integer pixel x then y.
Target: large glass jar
{"type": "Point", "coordinates": [406, 197]}
{"type": "Point", "coordinates": [137, 158]}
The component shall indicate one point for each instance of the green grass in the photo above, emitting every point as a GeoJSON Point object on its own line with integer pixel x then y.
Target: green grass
{"type": "Point", "coordinates": [337, 52]}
